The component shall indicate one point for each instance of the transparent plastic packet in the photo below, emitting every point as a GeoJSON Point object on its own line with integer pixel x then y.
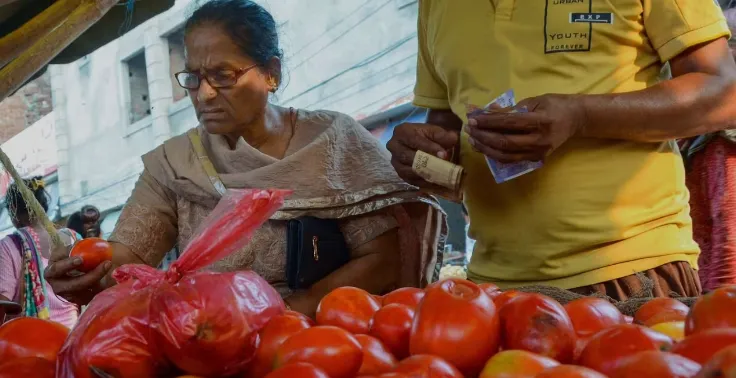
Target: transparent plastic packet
{"type": "Point", "coordinates": [183, 320]}
{"type": "Point", "coordinates": [503, 172]}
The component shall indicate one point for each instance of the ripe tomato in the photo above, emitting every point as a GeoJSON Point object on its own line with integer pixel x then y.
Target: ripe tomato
{"type": "Point", "coordinates": [661, 310]}
{"type": "Point", "coordinates": [675, 330]}
{"type": "Point", "coordinates": [723, 364]}
{"type": "Point", "coordinates": [657, 364]}
{"type": "Point", "coordinates": [376, 357]}
{"type": "Point", "coordinates": [300, 316]}
{"type": "Point", "coordinates": [31, 337]}
{"type": "Point", "coordinates": [513, 363]}
{"type": "Point", "coordinates": [349, 308]}
{"type": "Point", "coordinates": [716, 309]}
{"type": "Point", "coordinates": [331, 349]}
{"type": "Point", "coordinates": [93, 251]}
{"type": "Point", "coordinates": [299, 369]}
{"type": "Point", "coordinates": [569, 371]}
{"type": "Point", "coordinates": [27, 367]}
{"type": "Point", "coordinates": [701, 346]}
{"type": "Point", "coordinates": [392, 325]}
{"type": "Point", "coordinates": [538, 324]}
{"type": "Point", "coordinates": [276, 331]}
{"type": "Point", "coordinates": [501, 299]}
{"type": "Point", "coordinates": [607, 348]}
{"type": "Point", "coordinates": [590, 315]}
{"type": "Point", "coordinates": [491, 289]}
{"type": "Point", "coordinates": [425, 366]}
{"type": "Point", "coordinates": [458, 322]}
{"type": "Point", "coordinates": [409, 296]}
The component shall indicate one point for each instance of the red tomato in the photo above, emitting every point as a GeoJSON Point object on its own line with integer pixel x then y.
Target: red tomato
{"type": "Point", "coordinates": [376, 357]}
{"type": "Point", "coordinates": [607, 348]}
{"type": "Point", "coordinates": [701, 346]}
{"type": "Point", "coordinates": [392, 325]}
{"type": "Point", "coordinates": [424, 366]}
{"type": "Point", "coordinates": [569, 371]}
{"type": "Point", "coordinates": [661, 310]}
{"type": "Point", "coordinates": [491, 289]}
{"type": "Point", "coordinates": [516, 363]}
{"type": "Point", "coordinates": [501, 299]}
{"type": "Point", "coordinates": [276, 331]}
{"type": "Point", "coordinates": [458, 322]}
{"type": "Point", "coordinates": [300, 316]}
{"type": "Point", "coordinates": [349, 308]}
{"type": "Point", "coordinates": [299, 369]}
{"type": "Point", "coordinates": [93, 251]}
{"type": "Point", "coordinates": [716, 309]}
{"type": "Point", "coordinates": [331, 349]}
{"type": "Point", "coordinates": [409, 296]}
{"type": "Point", "coordinates": [723, 365]}
{"type": "Point", "coordinates": [27, 367]}
{"type": "Point", "coordinates": [538, 324]}
{"type": "Point", "coordinates": [31, 337]}
{"type": "Point", "coordinates": [656, 364]}
{"type": "Point", "coordinates": [590, 315]}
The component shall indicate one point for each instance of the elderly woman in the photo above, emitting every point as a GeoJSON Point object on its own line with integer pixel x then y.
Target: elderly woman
{"type": "Point", "coordinates": [711, 180]}
{"type": "Point", "coordinates": [336, 169]}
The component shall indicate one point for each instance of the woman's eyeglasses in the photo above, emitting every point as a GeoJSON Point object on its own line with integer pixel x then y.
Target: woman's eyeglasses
{"type": "Point", "coordinates": [216, 79]}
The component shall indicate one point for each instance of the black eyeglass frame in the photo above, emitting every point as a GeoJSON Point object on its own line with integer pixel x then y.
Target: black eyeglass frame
{"type": "Point", "coordinates": [238, 73]}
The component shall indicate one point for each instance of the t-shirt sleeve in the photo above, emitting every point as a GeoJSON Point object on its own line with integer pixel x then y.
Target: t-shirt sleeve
{"type": "Point", "coordinates": [148, 222]}
{"type": "Point", "coordinates": [429, 90]}
{"type": "Point", "coordinates": [673, 26]}
{"type": "Point", "coordinates": [9, 268]}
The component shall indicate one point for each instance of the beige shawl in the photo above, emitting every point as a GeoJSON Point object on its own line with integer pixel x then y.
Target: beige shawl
{"type": "Point", "coordinates": [336, 169]}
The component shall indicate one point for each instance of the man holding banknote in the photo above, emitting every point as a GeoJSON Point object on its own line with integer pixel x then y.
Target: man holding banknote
{"type": "Point", "coordinates": [610, 199]}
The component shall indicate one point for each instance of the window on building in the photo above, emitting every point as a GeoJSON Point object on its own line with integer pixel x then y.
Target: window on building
{"type": "Point", "coordinates": [140, 101]}
{"type": "Point", "coordinates": [176, 62]}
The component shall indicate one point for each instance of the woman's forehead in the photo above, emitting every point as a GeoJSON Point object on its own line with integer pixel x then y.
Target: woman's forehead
{"type": "Point", "coordinates": [209, 47]}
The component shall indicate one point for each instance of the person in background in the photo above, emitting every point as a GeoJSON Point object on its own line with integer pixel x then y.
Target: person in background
{"type": "Point", "coordinates": [711, 179]}
{"type": "Point", "coordinates": [86, 222]}
{"type": "Point", "coordinates": [25, 254]}
{"type": "Point", "coordinates": [336, 168]}
{"type": "Point", "coordinates": [610, 200]}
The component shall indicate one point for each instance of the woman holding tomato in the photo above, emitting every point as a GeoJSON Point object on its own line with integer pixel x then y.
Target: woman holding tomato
{"type": "Point", "coordinates": [23, 257]}
{"type": "Point", "coordinates": [336, 169]}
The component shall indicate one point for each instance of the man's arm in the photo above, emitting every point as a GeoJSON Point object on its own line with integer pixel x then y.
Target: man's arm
{"type": "Point", "coordinates": [700, 99]}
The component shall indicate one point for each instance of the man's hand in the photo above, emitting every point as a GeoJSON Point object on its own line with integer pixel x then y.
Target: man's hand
{"type": "Point", "coordinates": [76, 289]}
{"type": "Point", "coordinates": [408, 138]}
{"type": "Point", "coordinates": [509, 137]}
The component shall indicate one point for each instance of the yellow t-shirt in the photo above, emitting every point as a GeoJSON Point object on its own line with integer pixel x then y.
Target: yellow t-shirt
{"type": "Point", "coordinates": [599, 209]}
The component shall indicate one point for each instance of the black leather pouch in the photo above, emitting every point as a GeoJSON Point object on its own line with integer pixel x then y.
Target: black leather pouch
{"type": "Point", "coordinates": [315, 248]}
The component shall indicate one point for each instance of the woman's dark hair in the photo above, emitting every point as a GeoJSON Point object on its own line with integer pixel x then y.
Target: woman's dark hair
{"type": "Point", "coordinates": [248, 24]}
{"type": "Point", "coordinates": [75, 222]}
{"type": "Point", "coordinates": [14, 200]}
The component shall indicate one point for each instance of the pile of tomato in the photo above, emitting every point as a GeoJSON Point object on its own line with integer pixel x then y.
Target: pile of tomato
{"type": "Point", "coordinates": [455, 328]}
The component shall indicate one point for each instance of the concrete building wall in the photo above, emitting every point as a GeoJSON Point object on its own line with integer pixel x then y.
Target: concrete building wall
{"type": "Point", "coordinates": [28, 105]}
{"type": "Point", "coordinates": [353, 56]}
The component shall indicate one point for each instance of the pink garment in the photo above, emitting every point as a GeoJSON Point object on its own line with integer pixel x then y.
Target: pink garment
{"type": "Point", "coordinates": [11, 265]}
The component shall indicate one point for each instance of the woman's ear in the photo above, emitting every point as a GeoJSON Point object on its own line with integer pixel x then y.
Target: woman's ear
{"type": "Point", "coordinates": [274, 71]}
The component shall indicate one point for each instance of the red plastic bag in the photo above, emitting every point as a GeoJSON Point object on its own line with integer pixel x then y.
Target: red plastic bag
{"type": "Point", "coordinates": [204, 323]}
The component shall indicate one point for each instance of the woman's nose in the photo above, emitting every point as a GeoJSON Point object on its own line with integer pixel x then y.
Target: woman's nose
{"type": "Point", "coordinates": [206, 91]}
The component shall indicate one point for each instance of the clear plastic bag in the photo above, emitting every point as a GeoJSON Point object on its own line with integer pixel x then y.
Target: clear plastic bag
{"type": "Point", "coordinates": [155, 323]}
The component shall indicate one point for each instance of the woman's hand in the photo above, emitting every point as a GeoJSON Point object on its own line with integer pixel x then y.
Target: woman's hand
{"type": "Point", "coordinates": [78, 289]}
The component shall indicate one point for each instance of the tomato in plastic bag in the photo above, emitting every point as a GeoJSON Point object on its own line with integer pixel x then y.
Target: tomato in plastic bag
{"type": "Point", "coordinates": [207, 331]}
{"type": "Point", "coordinates": [181, 316]}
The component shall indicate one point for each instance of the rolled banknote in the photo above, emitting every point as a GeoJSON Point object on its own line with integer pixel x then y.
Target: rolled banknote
{"type": "Point", "coordinates": [437, 171]}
